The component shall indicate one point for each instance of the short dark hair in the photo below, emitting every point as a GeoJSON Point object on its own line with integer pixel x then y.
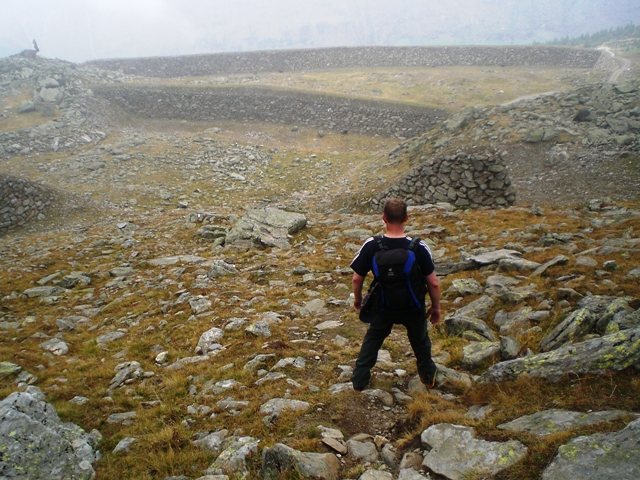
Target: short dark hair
{"type": "Point", "coordinates": [395, 210]}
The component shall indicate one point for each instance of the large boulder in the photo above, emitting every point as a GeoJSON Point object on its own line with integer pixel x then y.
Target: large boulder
{"type": "Point", "coordinates": [578, 323]}
{"type": "Point", "coordinates": [281, 459]}
{"type": "Point", "coordinates": [265, 227]}
{"type": "Point", "coordinates": [555, 420]}
{"type": "Point", "coordinates": [605, 456]}
{"type": "Point", "coordinates": [617, 351]}
{"type": "Point", "coordinates": [34, 443]}
{"type": "Point", "coordinates": [456, 453]}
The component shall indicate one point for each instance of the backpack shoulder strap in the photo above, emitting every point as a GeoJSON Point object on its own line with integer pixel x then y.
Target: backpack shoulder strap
{"type": "Point", "coordinates": [413, 245]}
{"type": "Point", "coordinates": [380, 243]}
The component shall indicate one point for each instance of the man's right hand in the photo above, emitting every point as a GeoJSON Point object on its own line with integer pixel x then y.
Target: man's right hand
{"type": "Point", "coordinates": [434, 315]}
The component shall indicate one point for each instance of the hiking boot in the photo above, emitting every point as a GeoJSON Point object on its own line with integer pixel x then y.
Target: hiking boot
{"type": "Point", "coordinates": [430, 383]}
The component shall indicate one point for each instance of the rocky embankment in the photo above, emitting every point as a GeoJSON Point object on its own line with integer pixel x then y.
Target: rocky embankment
{"type": "Point", "coordinates": [55, 89]}
{"type": "Point", "coordinates": [349, 57]}
{"type": "Point", "coordinates": [254, 315]}
{"type": "Point", "coordinates": [557, 147]}
{"type": "Point", "coordinates": [239, 104]}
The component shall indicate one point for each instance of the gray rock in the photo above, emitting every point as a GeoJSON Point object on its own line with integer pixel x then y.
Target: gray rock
{"type": "Point", "coordinates": [614, 352]}
{"type": "Point", "coordinates": [373, 474]}
{"type": "Point", "coordinates": [124, 445]}
{"type": "Point", "coordinates": [467, 286]}
{"type": "Point", "coordinates": [265, 227]}
{"type": "Point", "coordinates": [199, 304]}
{"type": "Point", "coordinates": [509, 348]}
{"type": "Point", "coordinates": [494, 257]}
{"type": "Point", "coordinates": [110, 337]}
{"type": "Point", "coordinates": [455, 453]}
{"type": "Point", "coordinates": [478, 412]}
{"type": "Point", "coordinates": [7, 369]}
{"type": "Point", "coordinates": [479, 308]}
{"type": "Point", "coordinates": [606, 456]}
{"type": "Point", "coordinates": [71, 322]}
{"type": "Point", "coordinates": [574, 327]}
{"type": "Point", "coordinates": [517, 264]}
{"type": "Point", "coordinates": [220, 268]}
{"type": "Point", "coordinates": [124, 372]}
{"type": "Point", "coordinates": [207, 339]}
{"type": "Point", "coordinates": [36, 444]}
{"type": "Point", "coordinates": [384, 397]}
{"type": "Point", "coordinates": [259, 361]}
{"type": "Point", "coordinates": [27, 106]}
{"type": "Point", "coordinates": [233, 457]}
{"type": "Point", "coordinates": [211, 442]}
{"type": "Point", "coordinates": [279, 405]}
{"type": "Point", "coordinates": [259, 329]}
{"type": "Point", "coordinates": [553, 421]}
{"type": "Point", "coordinates": [42, 291]}
{"type": "Point", "coordinates": [559, 260]}
{"type": "Point", "coordinates": [55, 346]}
{"type": "Point", "coordinates": [121, 271]}
{"type": "Point", "coordinates": [281, 460]}
{"type": "Point", "coordinates": [411, 474]}
{"type": "Point", "coordinates": [166, 261]}
{"type": "Point", "coordinates": [480, 354]}
{"type": "Point", "coordinates": [458, 324]}
{"type": "Point", "coordinates": [363, 451]}
{"type": "Point", "coordinates": [125, 418]}
{"type": "Point", "coordinates": [634, 273]}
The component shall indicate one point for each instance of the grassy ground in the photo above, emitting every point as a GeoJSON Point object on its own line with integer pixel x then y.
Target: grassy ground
{"type": "Point", "coordinates": [450, 88]}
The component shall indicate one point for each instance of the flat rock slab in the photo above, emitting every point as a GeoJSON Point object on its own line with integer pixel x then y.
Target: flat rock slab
{"type": "Point", "coordinates": [614, 352]}
{"type": "Point", "coordinates": [279, 405]}
{"type": "Point", "coordinates": [605, 456]}
{"type": "Point", "coordinates": [157, 262]}
{"type": "Point", "coordinates": [265, 227]}
{"type": "Point", "coordinates": [495, 256]}
{"type": "Point", "coordinates": [556, 420]}
{"type": "Point", "coordinates": [456, 453]}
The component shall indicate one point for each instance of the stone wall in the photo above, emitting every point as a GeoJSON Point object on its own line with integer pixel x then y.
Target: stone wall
{"type": "Point", "coordinates": [21, 201]}
{"type": "Point", "coordinates": [331, 113]}
{"type": "Point", "coordinates": [466, 180]}
{"type": "Point", "coordinates": [350, 57]}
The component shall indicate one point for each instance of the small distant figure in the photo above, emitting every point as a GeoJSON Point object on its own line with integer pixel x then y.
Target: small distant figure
{"type": "Point", "coordinates": [30, 53]}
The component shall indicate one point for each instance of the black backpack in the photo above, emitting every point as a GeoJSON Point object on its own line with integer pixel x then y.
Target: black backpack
{"type": "Point", "coordinates": [402, 283]}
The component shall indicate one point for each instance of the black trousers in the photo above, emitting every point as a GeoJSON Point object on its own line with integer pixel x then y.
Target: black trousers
{"type": "Point", "coordinates": [379, 329]}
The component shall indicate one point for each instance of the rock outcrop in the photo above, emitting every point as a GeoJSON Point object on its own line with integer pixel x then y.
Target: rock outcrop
{"type": "Point", "coordinates": [34, 443]}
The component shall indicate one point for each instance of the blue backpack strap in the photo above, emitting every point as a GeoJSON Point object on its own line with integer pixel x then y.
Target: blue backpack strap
{"type": "Point", "coordinates": [381, 246]}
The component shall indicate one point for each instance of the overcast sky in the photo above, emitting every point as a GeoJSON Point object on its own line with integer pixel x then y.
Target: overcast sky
{"type": "Point", "coordinates": [79, 30]}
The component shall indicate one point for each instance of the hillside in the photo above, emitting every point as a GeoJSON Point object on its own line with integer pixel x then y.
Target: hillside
{"type": "Point", "coordinates": [134, 305]}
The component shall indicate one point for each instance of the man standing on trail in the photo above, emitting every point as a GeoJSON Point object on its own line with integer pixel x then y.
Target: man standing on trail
{"type": "Point", "coordinates": [413, 317]}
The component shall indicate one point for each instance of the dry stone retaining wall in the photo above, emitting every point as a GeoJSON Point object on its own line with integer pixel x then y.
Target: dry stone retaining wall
{"type": "Point", "coordinates": [350, 57]}
{"type": "Point", "coordinates": [20, 201]}
{"type": "Point", "coordinates": [477, 180]}
{"type": "Point", "coordinates": [278, 106]}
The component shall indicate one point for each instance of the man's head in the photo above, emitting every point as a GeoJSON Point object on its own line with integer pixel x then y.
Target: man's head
{"type": "Point", "coordinates": [395, 211]}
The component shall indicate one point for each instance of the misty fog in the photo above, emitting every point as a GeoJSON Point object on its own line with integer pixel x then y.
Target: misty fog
{"type": "Point", "coordinates": [80, 30]}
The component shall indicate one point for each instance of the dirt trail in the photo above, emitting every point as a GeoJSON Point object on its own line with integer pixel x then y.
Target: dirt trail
{"type": "Point", "coordinates": [626, 64]}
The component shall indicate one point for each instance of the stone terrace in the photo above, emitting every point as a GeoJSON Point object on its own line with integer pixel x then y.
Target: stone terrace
{"type": "Point", "coordinates": [350, 57]}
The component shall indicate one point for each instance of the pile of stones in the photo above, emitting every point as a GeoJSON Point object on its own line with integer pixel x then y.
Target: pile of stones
{"type": "Point", "coordinates": [476, 180]}
{"type": "Point", "coordinates": [21, 201]}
